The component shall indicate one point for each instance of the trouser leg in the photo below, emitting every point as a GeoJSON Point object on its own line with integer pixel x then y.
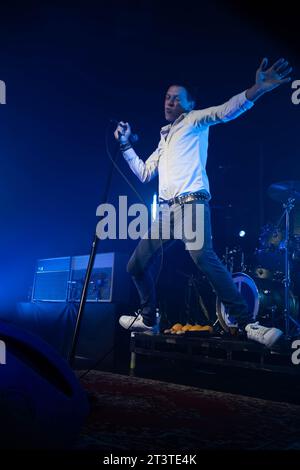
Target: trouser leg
{"type": "Point", "coordinates": [216, 273]}
{"type": "Point", "coordinates": [141, 267]}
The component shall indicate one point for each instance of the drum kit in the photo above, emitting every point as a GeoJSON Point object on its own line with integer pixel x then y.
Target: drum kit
{"type": "Point", "coordinates": [267, 285]}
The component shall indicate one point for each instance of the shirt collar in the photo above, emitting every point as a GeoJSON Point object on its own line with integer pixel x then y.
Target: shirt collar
{"type": "Point", "coordinates": [167, 128]}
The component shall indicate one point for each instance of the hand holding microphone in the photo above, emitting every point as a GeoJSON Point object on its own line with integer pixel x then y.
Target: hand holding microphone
{"type": "Point", "coordinates": [123, 132]}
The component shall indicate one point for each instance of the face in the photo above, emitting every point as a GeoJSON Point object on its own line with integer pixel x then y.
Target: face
{"type": "Point", "coordinates": [176, 103]}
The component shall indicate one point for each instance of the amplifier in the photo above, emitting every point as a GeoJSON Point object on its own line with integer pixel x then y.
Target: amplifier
{"type": "Point", "coordinates": [51, 279]}
{"type": "Point", "coordinates": [62, 279]}
{"type": "Point", "coordinates": [109, 280]}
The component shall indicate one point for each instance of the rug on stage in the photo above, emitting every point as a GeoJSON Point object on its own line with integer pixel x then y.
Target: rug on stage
{"type": "Point", "coordinates": [131, 413]}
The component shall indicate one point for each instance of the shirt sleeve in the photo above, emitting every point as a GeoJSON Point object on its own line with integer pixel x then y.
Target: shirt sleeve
{"type": "Point", "coordinates": [233, 108]}
{"type": "Point", "coordinates": [145, 171]}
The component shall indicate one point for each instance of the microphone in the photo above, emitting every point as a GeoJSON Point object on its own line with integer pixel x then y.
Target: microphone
{"type": "Point", "coordinates": [133, 137]}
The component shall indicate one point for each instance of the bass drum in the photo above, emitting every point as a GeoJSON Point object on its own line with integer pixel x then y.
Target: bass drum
{"type": "Point", "coordinates": [265, 300]}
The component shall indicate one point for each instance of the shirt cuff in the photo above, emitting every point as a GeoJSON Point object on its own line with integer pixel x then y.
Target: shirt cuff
{"type": "Point", "coordinates": [129, 154]}
{"type": "Point", "coordinates": [245, 103]}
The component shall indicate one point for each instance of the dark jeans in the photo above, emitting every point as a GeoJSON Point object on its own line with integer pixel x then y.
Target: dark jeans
{"type": "Point", "coordinates": [142, 261]}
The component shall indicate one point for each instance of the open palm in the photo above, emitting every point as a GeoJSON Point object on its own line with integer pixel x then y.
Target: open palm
{"type": "Point", "coordinates": [274, 76]}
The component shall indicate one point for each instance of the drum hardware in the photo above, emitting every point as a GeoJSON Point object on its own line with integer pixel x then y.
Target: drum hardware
{"type": "Point", "coordinates": [269, 294]}
{"type": "Point", "coordinates": [247, 287]}
{"type": "Point", "coordinates": [194, 302]}
{"type": "Point", "coordinates": [234, 259]}
{"type": "Point", "coordinates": [269, 257]}
{"type": "Point", "coordinates": [265, 299]}
{"type": "Point", "coordinates": [288, 193]}
{"type": "Point", "coordinates": [271, 236]}
{"type": "Point", "coordinates": [263, 273]}
{"type": "Point", "coordinates": [296, 248]}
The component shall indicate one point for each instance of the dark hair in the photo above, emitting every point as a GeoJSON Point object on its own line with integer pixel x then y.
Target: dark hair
{"type": "Point", "coordinates": [191, 90]}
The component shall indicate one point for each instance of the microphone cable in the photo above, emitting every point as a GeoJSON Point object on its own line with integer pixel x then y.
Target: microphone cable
{"type": "Point", "coordinates": [116, 166]}
{"type": "Point", "coordinates": [132, 187]}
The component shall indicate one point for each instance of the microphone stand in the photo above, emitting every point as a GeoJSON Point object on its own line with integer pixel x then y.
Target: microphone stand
{"type": "Point", "coordinates": [88, 273]}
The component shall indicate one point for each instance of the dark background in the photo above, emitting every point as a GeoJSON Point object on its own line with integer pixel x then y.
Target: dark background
{"type": "Point", "coordinates": [70, 69]}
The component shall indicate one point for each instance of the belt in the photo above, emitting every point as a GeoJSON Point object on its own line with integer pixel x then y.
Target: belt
{"type": "Point", "coordinates": [185, 198]}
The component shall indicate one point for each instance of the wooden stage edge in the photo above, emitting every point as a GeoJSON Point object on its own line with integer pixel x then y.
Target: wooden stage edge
{"type": "Point", "coordinates": [229, 351]}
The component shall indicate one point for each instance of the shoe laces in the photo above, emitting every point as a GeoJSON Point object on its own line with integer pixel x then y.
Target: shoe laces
{"type": "Point", "coordinates": [137, 316]}
{"type": "Point", "coordinates": [258, 330]}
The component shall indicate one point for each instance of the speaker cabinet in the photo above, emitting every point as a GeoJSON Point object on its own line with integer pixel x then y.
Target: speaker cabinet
{"type": "Point", "coordinates": [42, 403]}
{"type": "Point", "coordinates": [109, 280]}
{"type": "Point", "coordinates": [62, 279]}
{"type": "Point", "coordinates": [51, 279]}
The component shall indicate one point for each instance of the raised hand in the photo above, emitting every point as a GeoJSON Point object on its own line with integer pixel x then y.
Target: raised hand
{"type": "Point", "coordinates": [268, 78]}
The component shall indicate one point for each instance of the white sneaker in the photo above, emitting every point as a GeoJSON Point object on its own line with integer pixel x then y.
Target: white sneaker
{"type": "Point", "coordinates": [263, 334]}
{"type": "Point", "coordinates": [136, 323]}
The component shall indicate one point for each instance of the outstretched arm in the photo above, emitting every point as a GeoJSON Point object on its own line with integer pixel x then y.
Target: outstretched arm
{"type": "Point", "coordinates": [267, 79]}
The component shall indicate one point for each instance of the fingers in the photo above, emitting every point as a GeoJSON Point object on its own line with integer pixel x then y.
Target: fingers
{"type": "Point", "coordinates": [279, 71]}
{"type": "Point", "coordinates": [119, 131]}
{"type": "Point", "coordinates": [263, 64]}
{"type": "Point", "coordinates": [284, 72]}
{"type": "Point", "coordinates": [278, 64]}
{"type": "Point", "coordinates": [281, 68]}
{"type": "Point", "coordinates": [123, 124]}
{"type": "Point", "coordinates": [285, 80]}
{"type": "Point", "coordinates": [122, 129]}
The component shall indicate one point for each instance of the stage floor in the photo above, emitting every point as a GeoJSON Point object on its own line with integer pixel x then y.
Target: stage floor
{"type": "Point", "coordinates": [150, 416]}
{"type": "Point", "coordinates": [225, 364]}
{"type": "Point", "coordinates": [208, 349]}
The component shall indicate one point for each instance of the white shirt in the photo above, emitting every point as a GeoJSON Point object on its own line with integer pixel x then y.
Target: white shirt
{"type": "Point", "coordinates": [181, 155]}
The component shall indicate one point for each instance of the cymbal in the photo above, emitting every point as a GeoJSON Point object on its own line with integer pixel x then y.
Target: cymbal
{"type": "Point", "coordinates": [284, 190]}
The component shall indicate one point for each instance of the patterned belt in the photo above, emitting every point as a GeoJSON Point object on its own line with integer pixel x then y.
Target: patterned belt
{"type": "Point", "coordinates": [185, 198]}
